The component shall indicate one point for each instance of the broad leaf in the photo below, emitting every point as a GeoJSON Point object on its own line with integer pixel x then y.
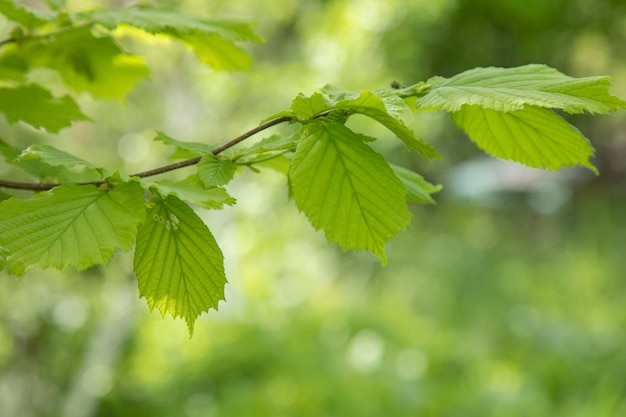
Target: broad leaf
{"type": "Point", "coordinates": [347, 189]}
{"type": "Point", "coordinates": [417, 188]}
{"type": "Point", "coordinates": [214, 170]}
{"type": "Point", "coordinates": [36, 106]}
{"type": "Point", "coordinates": [89, 63]}
{"type": "Point", "coordinates": [193, 191]}
{"type": "Point", "coordinates": [28, 17]}
{"type": "Point", "coordinates": [508, 89]}
{"type": "Point", "coordinates": [533, 136]}
{"type": "Point", "coordinates": [179, 267]}
{"type": "Point", "coordinates": [184, 149]}
{"type": "Point", "coordinates": [70, 225]}
{"type": "Point", "coordinates": [212, 40]}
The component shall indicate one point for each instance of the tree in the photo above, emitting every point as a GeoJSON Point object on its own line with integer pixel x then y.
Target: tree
{"type": "Point", "coordinates": [82, 212]}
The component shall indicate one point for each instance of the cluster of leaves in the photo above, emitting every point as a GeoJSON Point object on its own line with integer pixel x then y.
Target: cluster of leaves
{"type": "Point", "coordinates": [343, 186]}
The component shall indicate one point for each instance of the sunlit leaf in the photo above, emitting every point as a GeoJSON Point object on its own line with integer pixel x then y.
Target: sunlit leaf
{"type": "Point", "coordinates": [507, 89]}
{"type": "Point", "coordinates": [533, 136]}
{"type": "Point", "coordinates": [179, 267]}
{"type": "Point", "coordinates": [70, 225]}
{"type": "Point", "coordinates": [36, 106]}
{"type": "Point", "coordinates": [347, 189]}
{"type": "Point", "coordinates": [212, 40]}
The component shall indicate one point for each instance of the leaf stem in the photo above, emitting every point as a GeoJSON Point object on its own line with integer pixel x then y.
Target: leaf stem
{"type": "Point", "coordinates": [155, 171]}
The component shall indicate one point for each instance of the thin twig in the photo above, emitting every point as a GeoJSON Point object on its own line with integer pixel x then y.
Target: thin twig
{"type": "Point", "coordinates": [155, 171]}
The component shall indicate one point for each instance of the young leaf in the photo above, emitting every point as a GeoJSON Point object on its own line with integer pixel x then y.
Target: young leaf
{"type": "Point", "coordinates": [274, 143]}
{"type": "Point", "coordinates": [46, 161]}
{"type": "Point", "coordinates": [70, 225]}
{"type": "Point", "coordinates": [417, 188]}
{"type": "Point", "coordinates": [26, 16]}
{"type": "Point", "coordinates": [179, 267]}
{"type": "Point", "coordinates": [368, 104]}
{"type": "Point", "coordinates": [508, 89]}
{"type": "Point", "coordinates": [533, 136]}
{"type": "Point", "coordinates": [347, 189]}
{"type": "Point", "coordinates": [89, 63]}
{"type": "Point", "coordinates": [373, 106]}
{"type": "Point", "coordinates": [214, 171]}
{"type": "Point", "coordinates": [212, 40]}
{"type": "Point", "coordinates": [193, 191]}
{"type": "Point", "coordinates": [36, 106]}
{"type": "Point", "coordinates": [184, 149]}
{"type": "Point", "coordinates": [52, 156]}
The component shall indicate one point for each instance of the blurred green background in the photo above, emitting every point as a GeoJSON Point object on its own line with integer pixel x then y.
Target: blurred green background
{"type": "Point", "coordinates": [505, 299]}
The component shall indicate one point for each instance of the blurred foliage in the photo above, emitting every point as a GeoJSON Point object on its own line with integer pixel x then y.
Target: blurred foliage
{"type": "Point", "coordinates": [506, 299]}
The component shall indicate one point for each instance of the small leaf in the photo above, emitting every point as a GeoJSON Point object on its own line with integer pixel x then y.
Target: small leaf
{"type": "Point", "coordinates": [417, 188]}
{"type": "Point", "coordinates": [184, 149]}
{"type": "Point", "coordinates": [70, 225]}
{"type": "Point", "coordinates": [533, 136]}
{"type": "Point", "coordinates": [193, 191]}
{"type": "Point", "coordinates": [273, 143]}
{"type": "Point", "coordinates": [508, 89]}
{"type": "Point", "coordinates": [52, 156]}
{"type": "Point", "coordinates": [214, 171]}
{"type": "Point", "coordinates": [179, 267]}
{"type": "Point", "coordinates": [36, 106]}
{"type": "Point", "coordinates": [347, 189]}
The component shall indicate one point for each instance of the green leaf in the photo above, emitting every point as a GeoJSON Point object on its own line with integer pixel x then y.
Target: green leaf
{"type": "Point", "coordinates": [36, 106]}
{"type": "Point", "coordinates": [193, 191]}
{"type": "Point", "coordinates": [70, 225]}
{"type": "Point", "coordinates": [184, 149]}
{"type": "Point", "coordinates": [508, 89]}
{"type": "Point", "coordinates": [53, 156]}
{"type": "Point", "coordinates": [417, 188]}
{"type": "Point", "coordinates": [368, 104]}
{"type": "Point", "coordinates": [26, 16]}
{"type": "Point", "coordinates": [46, 161]}
{"type": "Point", "coordinates": [89, 63]}
{"type": "Point", "coordinates": [214, 170]}
{"type": "Point", "coordinates": [274, 143]}
{"type": "Point", "coordinates": [179, 267]}
{"type": "Point", "coordinates": [533, 136]}
{"type": "Point", "coordinates": [212, 40]}
{"type": "Point", "coordinates": [218, 53]}
{"type": "Point", "coordinates": [347, 189]}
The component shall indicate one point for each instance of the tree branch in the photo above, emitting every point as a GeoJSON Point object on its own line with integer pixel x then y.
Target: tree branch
{"type": "Point", "coordinates": [155, 171]}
